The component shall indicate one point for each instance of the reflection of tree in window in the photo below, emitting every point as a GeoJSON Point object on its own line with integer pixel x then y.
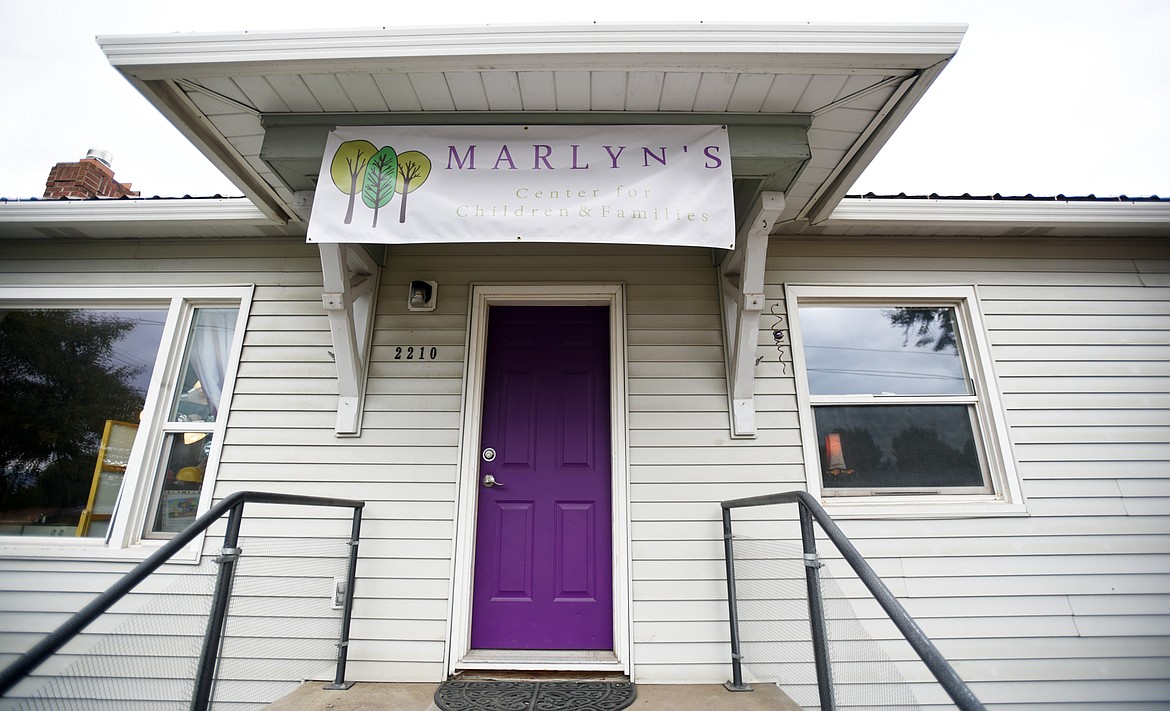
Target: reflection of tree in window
{"type": "Point", "coordinates": [934, 327]}
{"type": "Point", "coordinates": [62, 379]}
{"type": "Point", "coordinates": [903, 446]}
{"type": "Point", "coordinates": [921, 452]}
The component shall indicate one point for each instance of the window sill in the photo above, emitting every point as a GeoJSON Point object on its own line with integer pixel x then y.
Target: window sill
{"type": "Point", "coordinates": [92, 550]}
{"type": "Point", "coordinates": [919, 507]}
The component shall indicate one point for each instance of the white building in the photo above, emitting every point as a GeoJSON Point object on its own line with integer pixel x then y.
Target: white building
{"type": "Point", "coordinates": [977, 389]}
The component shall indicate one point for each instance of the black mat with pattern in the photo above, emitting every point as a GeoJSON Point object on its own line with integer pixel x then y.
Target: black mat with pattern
{"type": "Point", "coordinates": [512, 695]}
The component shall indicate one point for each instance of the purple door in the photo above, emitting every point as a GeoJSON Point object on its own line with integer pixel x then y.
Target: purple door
{"type": "Point", "coordinates": [542, 540]}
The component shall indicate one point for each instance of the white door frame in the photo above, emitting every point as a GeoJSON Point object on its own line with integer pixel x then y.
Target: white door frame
{"type": "Point", "coordinates": [460, 654]}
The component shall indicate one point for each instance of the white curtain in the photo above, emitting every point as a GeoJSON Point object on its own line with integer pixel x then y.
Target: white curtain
{"type": "Point", "coordinates": [210, 348]}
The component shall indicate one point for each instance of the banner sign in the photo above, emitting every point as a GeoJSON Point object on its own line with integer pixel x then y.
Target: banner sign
{"type": "Point", "coordinates": [667, 185]}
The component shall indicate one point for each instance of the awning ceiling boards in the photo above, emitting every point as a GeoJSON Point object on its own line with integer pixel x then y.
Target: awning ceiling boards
{"type": "Point", "coordinates": [258, 104]}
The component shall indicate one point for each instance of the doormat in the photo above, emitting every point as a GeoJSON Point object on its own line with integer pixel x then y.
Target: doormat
{"type": "Point", "coordinates": [534, 695]}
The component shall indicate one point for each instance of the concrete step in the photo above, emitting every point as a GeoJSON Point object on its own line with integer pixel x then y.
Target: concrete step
{"type": "Point", "coordinates": [312, 696]}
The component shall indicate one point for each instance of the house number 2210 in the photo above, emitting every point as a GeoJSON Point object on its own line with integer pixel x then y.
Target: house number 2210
{"type": "Point", "coordinates": [415, 353]}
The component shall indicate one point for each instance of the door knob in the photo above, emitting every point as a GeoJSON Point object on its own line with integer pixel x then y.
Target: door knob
{"type": "Point", "coordinates": [489, 481]}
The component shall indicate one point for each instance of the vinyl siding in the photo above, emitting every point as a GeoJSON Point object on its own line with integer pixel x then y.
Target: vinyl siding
{"type": "Point", "coordinates": [677, 406]}
{"type": "Point", "coordinates": [38, 594]}
{"type": "Point", "coordinates": [1066, 607]}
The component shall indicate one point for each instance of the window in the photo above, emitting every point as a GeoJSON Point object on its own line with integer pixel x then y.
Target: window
{"type": "Point", "coordinates": [897, 399]}
{"type": "Point", "coordinates": [112, 407]}
{"type": "Point", "coordinates": [76, 380]}
{"type": "Point", "coordinates": [191, 419]}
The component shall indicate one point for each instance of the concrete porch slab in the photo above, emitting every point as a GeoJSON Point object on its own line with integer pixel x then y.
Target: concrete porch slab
{"type": "Point", "coordinates": [419, 697]}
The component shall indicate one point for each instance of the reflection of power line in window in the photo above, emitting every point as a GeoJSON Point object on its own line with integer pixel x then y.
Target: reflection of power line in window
{"type": "Point", "coordinates": [950, 354]}
{"type": "Point", "coordinates": [131, 360]}
{"type": "Point", "coordinates": [888, 373]}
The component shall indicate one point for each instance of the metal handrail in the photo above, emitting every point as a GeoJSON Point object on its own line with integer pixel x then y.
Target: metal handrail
{"type": "Point", "coordinates": [811, 509]}
{"type": "Point", "coordinates": [232, 504]}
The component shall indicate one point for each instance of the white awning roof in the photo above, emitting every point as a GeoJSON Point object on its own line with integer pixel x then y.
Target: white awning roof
{"type": "Point", "coordinates": [855, 84]}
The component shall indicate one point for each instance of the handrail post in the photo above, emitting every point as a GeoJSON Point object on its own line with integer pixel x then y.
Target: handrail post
{"type": "Point", "coordinates": [231, 504]}
{"type": "Point", "coordinates": [339, 683]}
{"type": "Point", "coordinates": [810, 512]}
{"type": "Point", "coordinates": [213, 637]}
{"type": "Point", "coordinates": [816, 611]}
{"type": "Point", "coordinates": [736, 683]}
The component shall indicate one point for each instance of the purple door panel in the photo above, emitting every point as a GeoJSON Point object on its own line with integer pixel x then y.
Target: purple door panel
{"type": "Point", "coordinates": [543, 539]}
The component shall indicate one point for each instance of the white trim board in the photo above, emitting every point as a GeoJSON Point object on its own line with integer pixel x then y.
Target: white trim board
{"type": "Point", "coordinates": [908, 46]}
{"type": "Point", "coordinates": [1006, 497]}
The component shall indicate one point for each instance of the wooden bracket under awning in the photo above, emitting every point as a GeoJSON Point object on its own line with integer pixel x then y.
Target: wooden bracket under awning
{"type": "Point", "coordinates": [349, 296]}
{"type": "Point", "coordinates": [741, 278]}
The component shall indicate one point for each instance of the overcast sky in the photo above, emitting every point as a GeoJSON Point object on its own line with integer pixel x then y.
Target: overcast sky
{"type": "Point", "coordinates": [1045, 96]}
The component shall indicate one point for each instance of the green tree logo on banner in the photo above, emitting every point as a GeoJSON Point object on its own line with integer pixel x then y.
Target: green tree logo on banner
{"type": "Point", "coordinates": [381, 176]}
{"type": "Point", "coordinates": [377, 174]}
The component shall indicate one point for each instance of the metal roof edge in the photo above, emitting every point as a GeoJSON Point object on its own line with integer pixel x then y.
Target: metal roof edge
{"type": "Point", "coordinates": [223, 209]}
{"type": "Point", "coordinates": [977, 211]}
{"type": "Point", "coordinates": [907, 46]}
{"type": "Point", "coordinates": [190, 121]}
{"type": "Point", "coordinates": [872, 141]}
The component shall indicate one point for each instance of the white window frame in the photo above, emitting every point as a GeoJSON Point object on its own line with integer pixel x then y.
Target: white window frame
{"type": "Point", "coordinates": [482, 297]}
{"type": "Point", "coordinates": [126, 538]}
{"type": "Point", "coordinates": [1006, 495]}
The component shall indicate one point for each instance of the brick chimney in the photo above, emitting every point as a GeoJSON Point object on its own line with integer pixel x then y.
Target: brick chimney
{"type": "Point", "coordinates": [90, 177]}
